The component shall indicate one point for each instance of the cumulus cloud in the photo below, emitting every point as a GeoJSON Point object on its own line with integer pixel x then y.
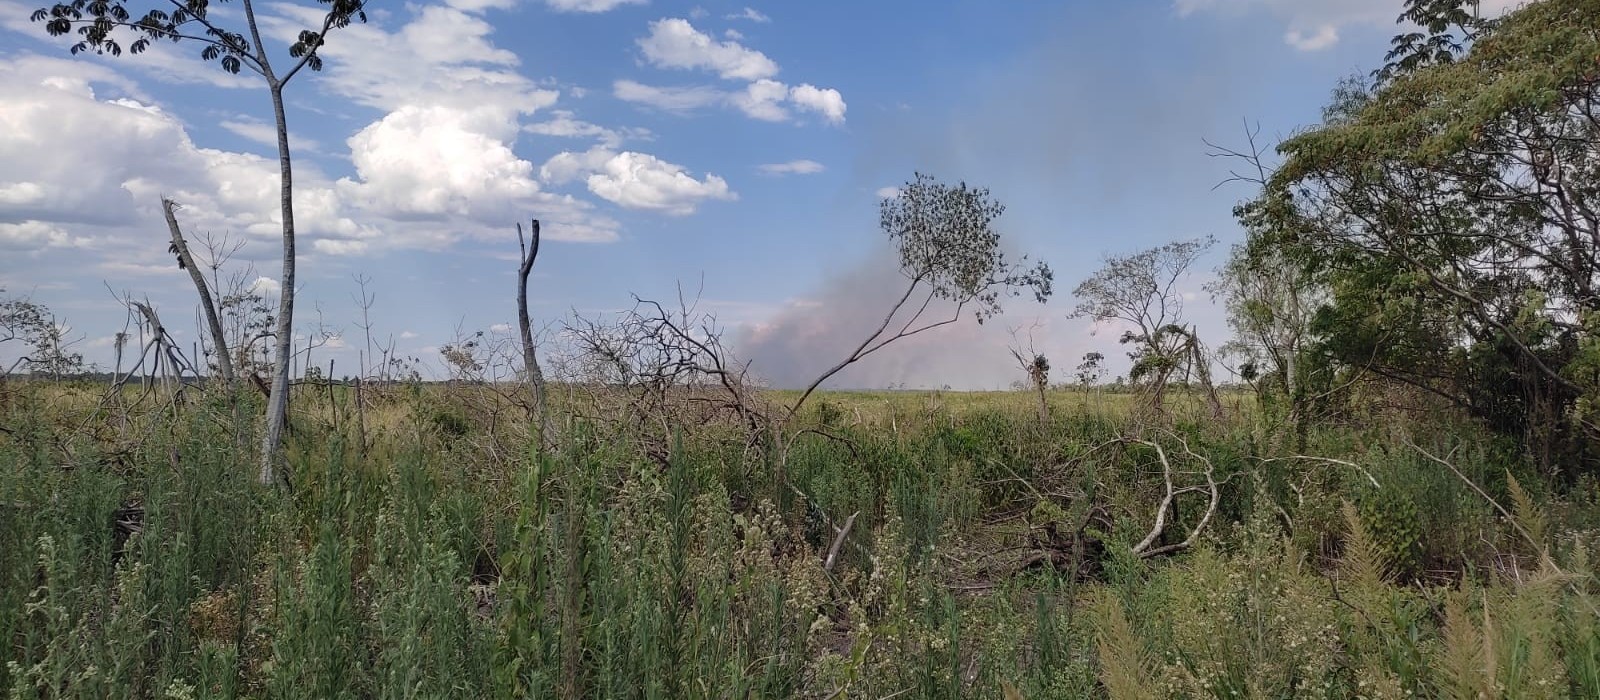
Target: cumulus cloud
{"type": "Point", "coordinates": [49, 171]}
{"type": "Point", "coordinates": [793, 167]}
{"type": "Point", "coordinates": [887, 192]}
{"type": "Point", "coordinates": [36, 235]}
{"type": "Point", "coordinates": [675, 43]}
{"type": "Point", "coordinates": [265, 286]}
{"type": "Point", "coordinates": [589, 5]}
{"type": "Point", "coordinates": [825, 101]}
{"type": "Point", "coordinates": [763, 99]}
{"type": "Point", "coordinates": [441, 56]}
{"type": "Point", "coordinates": [1315, 25]}
{"type": "Point", "coordinates": [636, 180]}
{"type": "Point", "coordinates": [435, 160]}
{"type": "Point", "coordinates": [443, 151]}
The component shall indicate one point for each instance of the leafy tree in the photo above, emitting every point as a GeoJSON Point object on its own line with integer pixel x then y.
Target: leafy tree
{"type": "Point", "coordinates": [1454, 212]}
{"type": "Point", "coordinates": [1091, 369]}
{"type": "Point", "coordinates": [30, 330]}
{"type": "Point", "coordinates": [106, 26]}
{"type": "Point", "coordinates": [1269, 293]}
{"type": "Point", "coordinates": [1446, 27]}
{"type": "Point", "coordinates": [1141, 290]}
{"type": "Point", "coordinates": [949, 251]}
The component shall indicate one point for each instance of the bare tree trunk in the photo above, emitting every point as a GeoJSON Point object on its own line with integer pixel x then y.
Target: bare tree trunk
{"type": "Point", "coordinates": [278, 396]}
{"type": "Point", "coordinates": [180, 247]}
{"type": "Point", "coordinates": [530, 360]}
{"type": "Point", "coordinates": [1202, 367]}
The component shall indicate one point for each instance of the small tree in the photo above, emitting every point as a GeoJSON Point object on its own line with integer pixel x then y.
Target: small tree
{"type": "Point", "coordinates": [1090, 370]}
{"type": "Point", "coordinates": [1037, 367]}
{"type": "Point", "coordinates": [40, 341]}
{"type": "Point", "coordinates": [949, 251]}
{"type": "Point", "coordinates": [102, 26]}
{"type": "Point", "coordinates": [1141, 290]}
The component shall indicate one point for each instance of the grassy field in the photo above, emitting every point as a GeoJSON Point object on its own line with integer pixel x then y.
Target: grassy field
{"type": "Point", "coordinates": [899, 544]}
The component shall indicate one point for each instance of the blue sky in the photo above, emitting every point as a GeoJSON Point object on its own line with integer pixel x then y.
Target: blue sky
{"type": "Point", "coordinates": [738, 147]}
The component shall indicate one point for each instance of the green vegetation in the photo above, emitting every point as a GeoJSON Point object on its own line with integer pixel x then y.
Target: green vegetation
{"type": "Point", "coordinates": [1404, 501]}
{"type": "Point", "coordinates": [988, 551]}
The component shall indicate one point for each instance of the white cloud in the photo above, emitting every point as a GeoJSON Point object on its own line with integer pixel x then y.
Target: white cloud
{"type": "Point", "coordinates": [763, 99]}
{"type": "Point", "coordinates": [435, 160]}
{"type": "Point", "coordinates": [793, 167]}
{"type": "Point", "coordinates": [339, 248]}
{"type": "Point", "coordinates": [887, 192]}
{"type": "Point", "coordinates": [767, 100]}
{"type": "Point", "coordinates": [670, 99]}
{"type": "Point", "coordinates": [441, 56]}
{"type": "Point", "coordinates": [751, 14]}
{"type": "Point", "coordinates": [1325, 37]}
{"type": "Point", "coordinates": [481, 5]}
{"type": "Point", "coordinates": [734, 34]}
{"type": "Point", "coordinates": [825, 101]}
{"type": "Point", "coordinates": [1315, 25]}
{"type": "Point", "coordinates": [407, 335]}
{"type": "Point", "coordinates": [138, 152]}
{"type": "Point", "coordinates": [674, 43]}
{"type": "Point", "coordinates": [36, 235]}
{"type": "Point", "coordinates": [444, 150]}
{"type": "Point", "coordinates": [637, 180]}
{"type": "Point", "coordinates": [162, 60]}
{"type": "Point", "coordinates": [266, 286]}
{"type": "Point", "coordinates": [20, 193]}
{"type": "Point", "coordinates": [589, 5]}
{"type": "Point", "coordinates": [266, 134]}
{"type": "Point", "coordinates": [563, 123]}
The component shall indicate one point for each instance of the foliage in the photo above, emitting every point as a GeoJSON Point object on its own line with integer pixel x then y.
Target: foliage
{"type": "Point", "coordinates": [945, 238]}
{"type": "Point", "coordinates": [1446, 216]}
{"type": "Point", "coordinates": [1140, 291]}
{"type": "Point", "coordinates": [41, 343]}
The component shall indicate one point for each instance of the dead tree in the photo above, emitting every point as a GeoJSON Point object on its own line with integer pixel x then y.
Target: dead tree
{"type": "Point", "coordinates": [1037, 367]}
{"type": "Point", "coordinates": [653, 368]}
{"type": "Point", "coordinates": [1210, 490]}
{"type": "Point", "coordinates": [180, 248]}
{"type": "Point", "coordinates": [530, 361]}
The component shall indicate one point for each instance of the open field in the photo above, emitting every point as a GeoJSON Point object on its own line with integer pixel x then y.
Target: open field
{"type": "Point", "coordinates": [1395, 495]}
{"type": "Point", "coordinates": [428, 553]}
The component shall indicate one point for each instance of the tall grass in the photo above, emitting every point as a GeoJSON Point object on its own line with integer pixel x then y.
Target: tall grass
{"type": "Point", "coordinates": [418, 559]}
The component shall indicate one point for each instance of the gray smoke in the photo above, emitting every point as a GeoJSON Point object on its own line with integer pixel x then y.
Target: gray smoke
{"type": "Point", "coordinates": [798, 343]}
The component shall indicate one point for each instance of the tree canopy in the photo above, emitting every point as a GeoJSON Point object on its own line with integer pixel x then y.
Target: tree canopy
{"type": "Point", "coordinates": [1453, 212]}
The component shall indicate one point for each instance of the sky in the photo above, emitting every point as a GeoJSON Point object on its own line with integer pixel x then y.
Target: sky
{"type": "Point", "coordinates": [737, 151]}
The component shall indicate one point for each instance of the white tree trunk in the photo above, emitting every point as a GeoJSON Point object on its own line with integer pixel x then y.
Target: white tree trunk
{"type": "Point", "coordinates": [278, 396]}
